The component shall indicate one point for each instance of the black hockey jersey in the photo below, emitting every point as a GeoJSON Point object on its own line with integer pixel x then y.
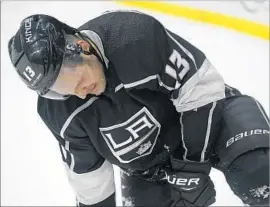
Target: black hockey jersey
{"type": "Point", "coordinates": [152, 76]}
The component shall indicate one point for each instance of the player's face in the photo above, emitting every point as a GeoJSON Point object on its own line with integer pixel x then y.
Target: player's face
{"type": "Point", "coordinates": [82, 79]}
{"type": "Point", "coordinates": [92, 79]}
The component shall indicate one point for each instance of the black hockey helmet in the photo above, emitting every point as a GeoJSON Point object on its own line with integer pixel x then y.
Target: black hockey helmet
{"type": "Point", "coordinates": [37, 51]}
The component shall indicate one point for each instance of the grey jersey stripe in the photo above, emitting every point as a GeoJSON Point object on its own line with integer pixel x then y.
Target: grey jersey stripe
{"type": "Point", "coordinates": [94, 186]}
{"type": "Point", "coordinates": [78, 110]}
{"type": "Point", "coordinates": [204, 87]}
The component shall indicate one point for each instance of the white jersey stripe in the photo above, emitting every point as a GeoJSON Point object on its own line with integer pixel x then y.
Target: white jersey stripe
{"type": "Point", "coordinates": [78, 110]}
{"type": "Point", "coordinates": [121, 85]}
{"type": "Point", "coordinates": [85, 105]}
{"type": "Point", "coordinates": [117, 88]}
{"type": "Point", "coordinates": [140, 82]}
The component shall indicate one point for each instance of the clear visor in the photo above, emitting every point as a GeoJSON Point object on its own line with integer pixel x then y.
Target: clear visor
{"type": "Point", "coordinates": [69, 76]}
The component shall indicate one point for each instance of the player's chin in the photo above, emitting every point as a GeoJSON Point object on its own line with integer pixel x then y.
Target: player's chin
{"type": "Point", "coordinates": [99, 90]}
{"type": "Point", "coordinates": [82, 96]}
{"type": "Point", "coordinates": [98, 93]}
{"type": "Point", "coordinates": [95, 93]}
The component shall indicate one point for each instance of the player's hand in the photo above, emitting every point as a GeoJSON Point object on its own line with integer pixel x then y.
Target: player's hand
{"type": "Point", "coordinates": [190, 183]}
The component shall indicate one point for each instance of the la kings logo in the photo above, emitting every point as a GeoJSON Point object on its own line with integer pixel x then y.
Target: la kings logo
{"type": "Point", "coordinates": [133, 138]}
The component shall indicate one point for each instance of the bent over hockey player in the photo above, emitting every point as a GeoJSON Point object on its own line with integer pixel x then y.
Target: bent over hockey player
{"type": "Point", "coordinates": [124, 90]}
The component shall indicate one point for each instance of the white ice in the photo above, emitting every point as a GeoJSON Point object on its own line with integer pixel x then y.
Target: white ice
{"type": "Point", "coordinates": [31, 168]}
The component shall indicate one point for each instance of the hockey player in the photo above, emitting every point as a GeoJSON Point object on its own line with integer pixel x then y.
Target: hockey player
{"type": "Point", "coordinates": [124, 90]}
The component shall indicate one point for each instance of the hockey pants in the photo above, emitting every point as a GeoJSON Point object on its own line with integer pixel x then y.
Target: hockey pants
{"type": "Point", "coordinates": [233, 135]}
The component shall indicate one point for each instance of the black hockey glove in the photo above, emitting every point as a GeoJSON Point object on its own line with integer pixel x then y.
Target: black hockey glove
{"type": "Point", "coordinates": [190, 183]}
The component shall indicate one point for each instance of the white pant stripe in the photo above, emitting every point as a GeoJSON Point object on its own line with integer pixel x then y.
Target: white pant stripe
{"type": "Point", "coordinates": [262, 112]}
{"type": "Point", "coordinates": [208, 131]}
{"type": "Point", "coordinates": [231, 90]}
{"type": "Point", "coordinates": [182, 135]}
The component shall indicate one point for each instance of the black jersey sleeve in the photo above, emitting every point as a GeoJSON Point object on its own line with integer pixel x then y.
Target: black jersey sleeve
{"type": "Point", "coordinates": [152, 57]}
{"type": "Point", "coordinates": [89, 174]}
{"type": "Point", "coordinates": [155, 52]}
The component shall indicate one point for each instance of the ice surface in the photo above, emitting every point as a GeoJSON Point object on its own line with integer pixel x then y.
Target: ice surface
{"type": "Point", "coordinates": [31, 169]}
